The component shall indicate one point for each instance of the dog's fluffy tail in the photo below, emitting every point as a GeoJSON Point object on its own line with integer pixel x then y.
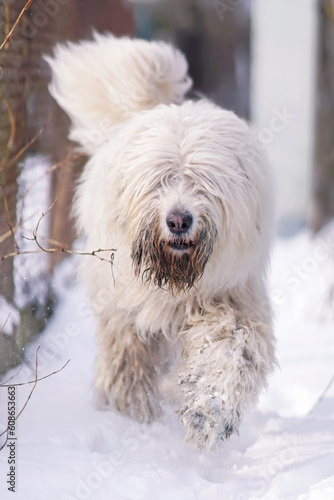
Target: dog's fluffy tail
{"type": "Point", "coordinates": [100, 83]}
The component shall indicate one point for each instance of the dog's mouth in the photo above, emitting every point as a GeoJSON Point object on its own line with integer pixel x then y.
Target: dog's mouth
{"type": "Point", "coordinates": [176, 261]}
{"type": "Point", "coordinates": [180, 245]}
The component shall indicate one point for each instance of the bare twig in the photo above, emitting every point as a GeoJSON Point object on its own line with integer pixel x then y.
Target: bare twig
{"type": "Point", "coordinates": [60, 247]}
{"type": "Point", "coordinates": [7, 234]}
{"type": "Point", "coordinates": [34, 386]}
{"type": "Point", "coordinates": [4, 384]}
{"type": "Point", "coordinates": [9, 219]}
{"type": "Point", "coordinates": [322, 395]}
{"type": "Point", "coordinates": [52, 241]}
{"type": "Point", "coordinates": [37, 227]}
{"type": "Point", "coordinates": [5, 431]}
{"type": "Point", "coordinates": [31, 392]}
{"type": "Point", "coordinates": [3, 326]}
{"type": "Point", "coordinates": [54, 167]}
{"type": "Point", "coordinates": [53, 250]}
{"type": "Point", "coordinates": [94, 253]}
{"type": "Point", "coordinates": [26, 146]}
{"type": "Point", "coordinates": [15, 25]}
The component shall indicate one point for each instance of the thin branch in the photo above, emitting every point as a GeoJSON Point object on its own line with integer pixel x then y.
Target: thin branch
{"type": "Point", "coordinates": [62, 163]}
{"type": "Point", "coordinates": [7, 435]}
{"type": "Point", "coordinates": [32, 381]}
{"type": "Point", "coordinates": [59, 244]}
{"type": "Point", "coordinates": [9, 219]}
{"type": "Point", "coordinates": [28, 398]}
{"type": "Point", "coordinates": [26, 146]}
{"type": "Point", "coordinates": [53, 250]}
{"type": "Point", "coordinates": [20, 252]}
{"type": "Point", "coordinates": [60, 249]}
{"type": "Point", "coordinates": [322, 395]}
{"type": "Point", "coordinates": [3, 384]}
{"type": "Point", "coordinates": [32, 390]}
{"type": "Point", "coordinates": [37, 226]}
{"type": "Point", "coordinates": [7, 234]}
{"type": "Point", "coordinates": [94, 253]}
{"type": "Point", "coordinates": [15, 25]}
{"type": "Point", "coordinates": [34, 386]}
{"type": "Point", "coordinates": [3, 326]}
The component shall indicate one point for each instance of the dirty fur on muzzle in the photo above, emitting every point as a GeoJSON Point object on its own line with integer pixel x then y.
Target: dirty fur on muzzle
{"type": "Point", "coordinates": [155, 261]}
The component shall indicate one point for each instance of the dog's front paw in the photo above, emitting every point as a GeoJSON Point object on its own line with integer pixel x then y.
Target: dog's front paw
{"type": "Point", "coordinates": [207, 421]}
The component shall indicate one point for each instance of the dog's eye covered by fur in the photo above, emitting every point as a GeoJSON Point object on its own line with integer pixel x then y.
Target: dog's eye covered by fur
{"type": "Point", "coordinates": [183, 192]}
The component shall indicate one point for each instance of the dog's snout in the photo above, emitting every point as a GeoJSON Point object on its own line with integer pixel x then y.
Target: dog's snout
{"type": "Point", "coordinates": [179, 222]}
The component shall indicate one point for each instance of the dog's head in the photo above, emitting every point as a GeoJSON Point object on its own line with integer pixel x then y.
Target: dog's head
{"type": "Point", "coordinates": [188, 193]}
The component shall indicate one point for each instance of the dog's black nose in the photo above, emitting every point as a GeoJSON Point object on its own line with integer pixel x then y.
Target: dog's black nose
{"type": "Point", "coordinates": [179, 222]}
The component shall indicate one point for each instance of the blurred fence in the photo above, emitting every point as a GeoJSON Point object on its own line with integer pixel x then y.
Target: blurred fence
{"type": "Point", "coordinates": [29, 117]}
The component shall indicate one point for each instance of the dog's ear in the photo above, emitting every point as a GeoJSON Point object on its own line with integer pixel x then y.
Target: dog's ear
{"type": "Point", "coordinates": [101, 82]}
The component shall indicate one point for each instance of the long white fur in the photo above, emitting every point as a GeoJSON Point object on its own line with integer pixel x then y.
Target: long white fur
{"type": "Point", "coordinates": [159, 152]}
{"type": "Point", "coordinates": [101, 82]}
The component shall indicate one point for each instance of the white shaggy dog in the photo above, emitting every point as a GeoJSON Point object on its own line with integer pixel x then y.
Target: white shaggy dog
{"type": "Point", "coordinates": [183, 192]}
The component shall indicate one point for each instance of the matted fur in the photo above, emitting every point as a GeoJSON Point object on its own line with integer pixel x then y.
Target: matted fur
{"type": "Point", "coordinates": [154, 261]}
{"type": "Point", "coordinates": [152, 153]}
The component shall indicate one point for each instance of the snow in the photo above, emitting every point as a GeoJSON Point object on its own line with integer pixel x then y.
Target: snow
{"type": "Point", "coordinates": [34, 199]}
{"type": "Point", "coordinates": [68, 449]}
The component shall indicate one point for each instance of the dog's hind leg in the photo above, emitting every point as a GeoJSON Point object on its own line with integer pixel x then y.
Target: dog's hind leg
{"type": "Point", "coordinates": [126, 373]}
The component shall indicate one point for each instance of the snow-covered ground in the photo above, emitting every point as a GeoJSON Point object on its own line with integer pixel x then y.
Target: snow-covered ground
{"type": "Point", "coordinates": [67, 449]}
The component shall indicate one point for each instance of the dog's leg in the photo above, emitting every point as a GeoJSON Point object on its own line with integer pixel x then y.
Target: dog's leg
{"type": "Point", "coordinates": [227, 360]}
{"type": "Point", "coordinates": [126, 375]}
